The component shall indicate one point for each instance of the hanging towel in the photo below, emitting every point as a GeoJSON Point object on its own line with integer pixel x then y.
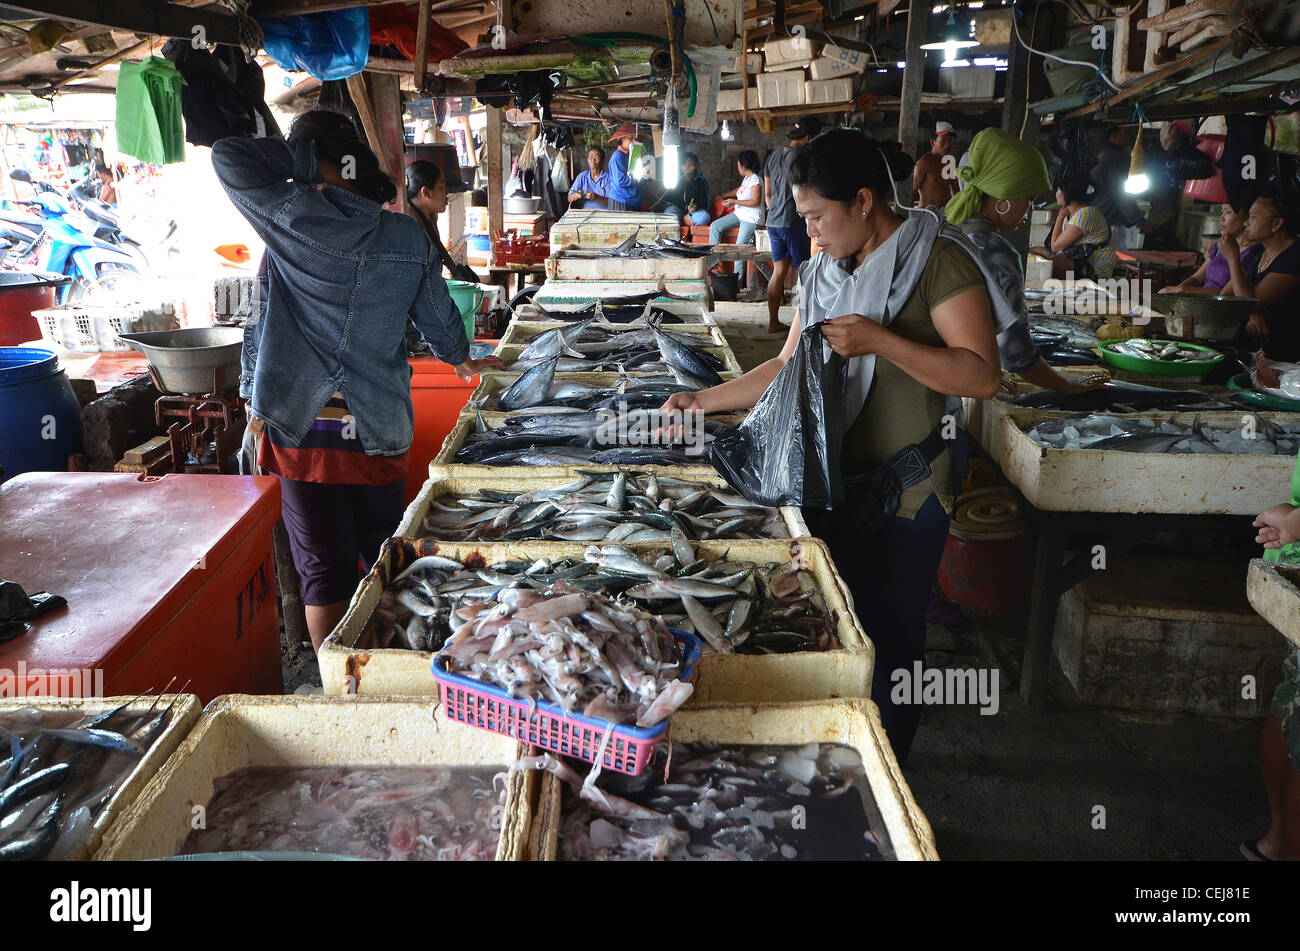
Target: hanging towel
{"type": "Point", "coordinates": [149, 112]}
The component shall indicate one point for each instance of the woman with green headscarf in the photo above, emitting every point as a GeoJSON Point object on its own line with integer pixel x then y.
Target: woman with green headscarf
{"type": "Point", "coordinates": [1003, 175]}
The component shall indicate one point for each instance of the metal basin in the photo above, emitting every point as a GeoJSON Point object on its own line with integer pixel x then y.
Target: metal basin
{"type": "Point", "coordinates": [185, 361]}
{"type": "Point", "coordinates": [1204, 316]}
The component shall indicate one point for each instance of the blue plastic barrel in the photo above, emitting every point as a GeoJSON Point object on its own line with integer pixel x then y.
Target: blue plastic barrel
{"type": "Point", "coordinates": [40, 418]}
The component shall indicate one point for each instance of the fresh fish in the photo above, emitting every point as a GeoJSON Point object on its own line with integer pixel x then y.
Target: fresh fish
{"type": "Point", "coordinates": [531, 387]}
{"type": "Point", "coordinates": [685, 360]}
{"type": "Point", "coordinates": [1119, 396]}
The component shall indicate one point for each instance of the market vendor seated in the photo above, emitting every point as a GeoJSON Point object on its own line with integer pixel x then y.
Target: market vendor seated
{"type": "Point", "coordinates": [591, 187]}
{"type": "Point", "coordinates": [1080, 241]}
{"type": "Point", "coordinates": [689, 201]}
{"type": "Point", "coordinates": [1270, 272]}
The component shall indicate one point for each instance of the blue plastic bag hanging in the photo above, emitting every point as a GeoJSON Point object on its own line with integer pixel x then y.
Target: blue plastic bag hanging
{"type": "Point", "coordinates": [330, 45]}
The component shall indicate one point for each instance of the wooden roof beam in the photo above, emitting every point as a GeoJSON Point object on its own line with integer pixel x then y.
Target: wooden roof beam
{"type": "Point", "coordinates": [152, 17]}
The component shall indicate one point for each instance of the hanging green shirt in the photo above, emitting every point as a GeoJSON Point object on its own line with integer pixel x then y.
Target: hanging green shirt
{"type": "Point", "coordinates": [149, 111]}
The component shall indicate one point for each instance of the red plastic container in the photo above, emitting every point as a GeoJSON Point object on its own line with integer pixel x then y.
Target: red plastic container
{"type": "Point", "coordinates": [438, 395]}
{"type": "Point", "coordinates": [165, 577]}
{"type": "Point", "coordinates": [985, 568]}
{"type": "Point", "coordinates": [22, 292]}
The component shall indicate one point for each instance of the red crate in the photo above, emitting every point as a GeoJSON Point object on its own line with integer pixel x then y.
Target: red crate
{"type": "Point", "coordinates": [165, 577]}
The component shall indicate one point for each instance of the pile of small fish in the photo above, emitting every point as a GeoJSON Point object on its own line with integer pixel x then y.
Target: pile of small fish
{"type": "Point", "coordinates": [1165, 351]}
{"type": "Point", "coordinates": [59, 770]}
{"type": "Point", "coordinates": [402, 813]}
{"type": "Point", "coordinates": [1256, 435]}
{"type": "Point", "coordinates": [586, 438]}
{"type": "Point", "coordinates": [582, 347]}
{"type": "Point", "coordinates": [661, 247]}
{"type": "Point", "coordinates": [603, 506]}
{"type": "Point", "coordinates": [576, 649]}
{"type": "Point", "coordinates": [749, 803]}
{"type": "Point", "coordinates": [734, 606]}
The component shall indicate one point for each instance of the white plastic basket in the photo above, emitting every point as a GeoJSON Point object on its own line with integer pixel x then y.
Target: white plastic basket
{"type": "Point", "coordinates": [84, 329]}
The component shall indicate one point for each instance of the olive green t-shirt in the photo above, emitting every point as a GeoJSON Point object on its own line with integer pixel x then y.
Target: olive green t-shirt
{"type": "Point", "coordinates": [899, 410]}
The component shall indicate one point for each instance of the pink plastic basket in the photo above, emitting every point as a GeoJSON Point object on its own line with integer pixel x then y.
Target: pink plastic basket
{"type": "Point", "coordinates": [547, 727]}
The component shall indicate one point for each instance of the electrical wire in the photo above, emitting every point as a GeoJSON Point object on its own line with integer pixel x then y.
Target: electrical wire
{"type": "Point", "coordinates": [1060, 59]}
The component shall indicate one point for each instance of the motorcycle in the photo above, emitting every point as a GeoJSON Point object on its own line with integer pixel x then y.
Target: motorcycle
{"type": "Point", "coordinates": [96, 265]}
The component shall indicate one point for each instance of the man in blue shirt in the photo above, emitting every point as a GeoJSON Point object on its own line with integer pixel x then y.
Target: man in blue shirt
{"type": "Point", "coordinates": [624, 191]}
{"type": "Point", "coordinates": [591, 187]}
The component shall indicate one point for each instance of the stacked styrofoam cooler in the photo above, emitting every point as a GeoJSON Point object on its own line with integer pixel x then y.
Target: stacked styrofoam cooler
{"type": "Point", "coordinates": [827, 81]}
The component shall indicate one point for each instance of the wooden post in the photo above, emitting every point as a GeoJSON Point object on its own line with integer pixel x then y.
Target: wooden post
{"type": "Point", "coordinates": [744, 75]}
{"type": "Point", "coordinates": [379, 104]}
{"type": "Point", "coordinates": [495, 174]}
{"type": "Point", "coordinates": [1026, 81]}
{"type": "Point", "coordinates": [909, 107]}
{"type": "Point", "coordinates": [422, 46]}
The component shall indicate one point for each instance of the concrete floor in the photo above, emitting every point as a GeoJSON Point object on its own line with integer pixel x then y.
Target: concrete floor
{"type": "Point", "coordinates": [1025, 785]}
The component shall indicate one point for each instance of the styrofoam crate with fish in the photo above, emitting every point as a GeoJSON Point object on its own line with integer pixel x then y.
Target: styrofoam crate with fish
{"type": "Point", "coordinates": [45, 818]}
{"type": "Point", "coordinates": [662, 258]}
{"type": "Point", "coordinates": [359, 656]}
{"type": "Point", "coordinates": [344, 736]}
{"type": "Point", "coordinates": [691, 313]}
{"type": "Point", "coordinates": [737, 776]}
{"type": "Point", "coordinates": [566, 388]}
{"type": "Point", "coordinates": [511, 354]}
{"type": "Point", "coordinates": [786, 522]}
{"type": "Point", "coordinates": [523, 332]}
{"type": "Point", "coordinates": [619, 300]}
{"type": "Point", "coordinates": [1116, 480]}
{"type": "Point", "coordinates": [584, 227]}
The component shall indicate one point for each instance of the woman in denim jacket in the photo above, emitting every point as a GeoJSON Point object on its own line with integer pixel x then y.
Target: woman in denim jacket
{"type": "Point", "coordinates": [324, 367]}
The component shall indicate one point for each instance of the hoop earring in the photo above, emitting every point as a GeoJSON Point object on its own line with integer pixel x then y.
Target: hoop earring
{"type": "Point", "coordinates": [1002, 211]}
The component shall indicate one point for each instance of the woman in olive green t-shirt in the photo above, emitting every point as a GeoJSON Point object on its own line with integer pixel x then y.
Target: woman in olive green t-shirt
{"type": "Point", "coordinates": [940, 342]}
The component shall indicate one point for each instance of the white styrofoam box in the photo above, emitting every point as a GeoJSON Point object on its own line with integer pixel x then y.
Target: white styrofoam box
{"type": "Point", "coordinates": [1037, 270]}
{"type": "Point", "coordinates": [476, 219]}
{"type": "Point", "coordinates": [824, 67]}
{"type": "Point", "coordinates": [733, 100]}
{"type": "Point", "coordinates": [968, 82]}
{"type": "Point", "coordinates": [828, 91]}
{"type": "Point", "coordinates": [780, 89]}
{"type": "Point", "coordinates": [1038, 235]}
{"type": "Point", "coordinates": [762, 240]}
{"type": "Point", "coordinates": [755, 64]}
{"type": "Point", "coordinates": [853, 61]}
{"type": "Point", "coordinates": [788, 53]}
{"type": "Point", "coordinates": [1041, 216]}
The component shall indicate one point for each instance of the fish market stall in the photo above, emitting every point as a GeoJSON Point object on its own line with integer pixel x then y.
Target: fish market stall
{"type": "Point", "coordinates": [1274, 592]}
{"type": "Point", "coordinates": [737, 779]}
{"type": "Point", "coordinates": [643, 350]}
{"type": "Point", "coordinates": [82, 763]}
{"type": "Point", "coordinates": [793, 637]}
{"type": "Point", "coordinates": [308, 777]}
{"type": "Point", "coordinates": [648, 261]}
{"type": "Point", "coordinates": [690, 313]}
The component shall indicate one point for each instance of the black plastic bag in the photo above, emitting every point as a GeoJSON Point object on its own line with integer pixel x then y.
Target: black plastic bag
{"type": "Point", "coordinates": [780, 454]}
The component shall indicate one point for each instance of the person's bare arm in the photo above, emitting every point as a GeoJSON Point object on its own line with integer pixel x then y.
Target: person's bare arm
{"type": "Point", "coordinates": [1238, 283]}
{"type": "Point", "coordinates": [1190, 283]}
{"type": "Point", "coordinates": [767, 192]}
{"type": "Point", "coordinates": [751, 202]}
{"type": "Point", "coordinates": [1065, 236]}
{"type": "Point", "coordinates": [742, 392]}
{"type": "Point", "coordinates": [1273, 288]}
{"type": "Point", "coordinates": [968, 364]}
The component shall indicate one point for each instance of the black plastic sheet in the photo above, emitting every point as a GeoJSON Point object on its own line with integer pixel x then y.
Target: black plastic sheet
{"type": "Point", "coordinates": [781, 453]}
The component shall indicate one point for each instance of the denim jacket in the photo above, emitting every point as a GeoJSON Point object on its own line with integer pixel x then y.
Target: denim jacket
{"type": "Point", "coordinates": [335, 287]}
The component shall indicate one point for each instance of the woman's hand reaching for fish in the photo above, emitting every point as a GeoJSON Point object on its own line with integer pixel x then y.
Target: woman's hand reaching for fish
{"type": "Point", "coordinates": [472, 368]}
{"type": "Point", "coordinates": [1278, 526]}
{"type": "Point", "coordinates": [853, 335]}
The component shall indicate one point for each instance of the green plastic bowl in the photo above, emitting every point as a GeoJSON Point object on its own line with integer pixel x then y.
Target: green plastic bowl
{"type": "Point", "coordinates": [467, 298]}
{"type": "Point", "coordinates": [1241, 385]}
{"type": "Point", "coordinates": [1122, 361]}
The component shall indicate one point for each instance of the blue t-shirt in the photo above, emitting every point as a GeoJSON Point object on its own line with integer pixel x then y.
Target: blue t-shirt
{"type": "Point", "coordinates": [622, 187]}
{"type": "Point", "coordinates": [585, 183]}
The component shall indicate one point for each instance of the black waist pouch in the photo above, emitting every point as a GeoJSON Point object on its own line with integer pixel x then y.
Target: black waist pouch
{"type": "Point", "coordinates": [872, 496]}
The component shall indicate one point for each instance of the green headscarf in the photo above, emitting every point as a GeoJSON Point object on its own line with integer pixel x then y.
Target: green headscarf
{"type": "Point", "coordinates": [1000, 165]}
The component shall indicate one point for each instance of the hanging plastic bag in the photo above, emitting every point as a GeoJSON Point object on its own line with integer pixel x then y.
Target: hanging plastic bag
{"type": "Point", "coordinates": [780, 454]}
{"type": "Point", "coordinates": [330, 45]}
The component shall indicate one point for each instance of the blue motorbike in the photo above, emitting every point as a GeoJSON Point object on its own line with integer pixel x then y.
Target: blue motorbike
{"type": "Point", "coordinates": [96, 265]}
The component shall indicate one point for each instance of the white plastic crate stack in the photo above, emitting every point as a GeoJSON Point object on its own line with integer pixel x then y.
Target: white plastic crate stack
{"type": "Point", "coordinates": [829, 80]}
